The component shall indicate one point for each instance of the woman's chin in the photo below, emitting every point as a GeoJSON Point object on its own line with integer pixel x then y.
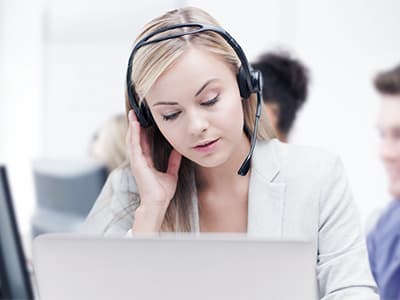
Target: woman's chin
{"type": "Point", "coordinates": [208, 162]}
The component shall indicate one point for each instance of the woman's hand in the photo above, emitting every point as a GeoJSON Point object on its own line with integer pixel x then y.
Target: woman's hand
{"type": "Point", "coordinates": [156, 189]}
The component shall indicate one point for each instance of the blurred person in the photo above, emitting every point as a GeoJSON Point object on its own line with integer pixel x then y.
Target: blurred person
{"type": "Point", "coordinates": [108, 145]}
{"type": "Point", "coordinates": [384, 239]}
{"type": "Point", "coordinates": [285, 89]}
{"type": "Point", "coordinates": [193, 105]}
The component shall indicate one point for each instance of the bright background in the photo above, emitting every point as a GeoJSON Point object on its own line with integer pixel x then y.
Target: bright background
{"type": "Point", "coordinates": [62, 68]}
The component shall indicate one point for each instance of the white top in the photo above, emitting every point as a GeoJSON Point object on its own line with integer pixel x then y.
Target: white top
{"type": "Point", "coordinates": [295, 192]}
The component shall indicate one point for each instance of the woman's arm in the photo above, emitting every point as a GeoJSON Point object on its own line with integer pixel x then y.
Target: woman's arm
{"type": "Point", "coordinates": [113, 211]}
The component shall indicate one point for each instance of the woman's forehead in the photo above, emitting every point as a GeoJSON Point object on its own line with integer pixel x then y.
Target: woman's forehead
{"type": "Point", "coordinates": [190, 71]}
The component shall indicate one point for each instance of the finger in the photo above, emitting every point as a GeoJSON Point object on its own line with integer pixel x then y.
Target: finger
{"type": "Point", "coordinates": [136, 156]}
{"type": "Point", "coordinates": [144, 143]}
{"type": "Point", "coordinates": [174, 162]}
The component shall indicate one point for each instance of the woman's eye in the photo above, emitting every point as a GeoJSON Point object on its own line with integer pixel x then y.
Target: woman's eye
{"type": "Point", "coordinates": [211, 101]}
{"type": "Point", "coordinates": [170, 116]}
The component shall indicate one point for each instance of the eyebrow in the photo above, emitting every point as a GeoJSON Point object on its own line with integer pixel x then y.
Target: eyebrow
{"type": "Point", "coordinates": [165, 103]}
{"type": "Point", "coordinates": [197, 93]}
{"type": "Point", "coordinates": [204, 86]}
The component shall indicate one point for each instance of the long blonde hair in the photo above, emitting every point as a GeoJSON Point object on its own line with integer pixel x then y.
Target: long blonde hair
{"type": "Point", "coordinates": [149, 63]}
{"type": "Point", "coordinates": [108, 145]}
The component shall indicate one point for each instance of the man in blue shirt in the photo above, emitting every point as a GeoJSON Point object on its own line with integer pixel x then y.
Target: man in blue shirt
{"type": "Point", "coordinates": [384, 240]}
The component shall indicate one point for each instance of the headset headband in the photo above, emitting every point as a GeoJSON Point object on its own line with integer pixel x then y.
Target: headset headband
{"type": "Point", "coordinates": [201, 28]}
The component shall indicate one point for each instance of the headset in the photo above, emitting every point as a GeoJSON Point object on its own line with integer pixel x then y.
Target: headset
{"type": "Point", "coordinates": [249, 80]}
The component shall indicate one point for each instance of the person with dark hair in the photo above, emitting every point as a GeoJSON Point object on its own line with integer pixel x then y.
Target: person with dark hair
{"type": "Point", "coordinates": [384, 239]}
{"type": "Point", "coordinates": [285, 89]}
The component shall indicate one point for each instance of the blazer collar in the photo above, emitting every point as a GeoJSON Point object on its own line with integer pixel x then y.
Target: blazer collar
{"type": "Point", "coordinates": [266, 193]}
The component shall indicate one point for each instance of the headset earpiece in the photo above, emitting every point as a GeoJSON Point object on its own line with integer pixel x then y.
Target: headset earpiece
{"type": "Point", "coordinates": [247, 86]}
{"type": "Point", "coordinates": [145, 119]}
{"type": "Point", "coordinates": [242, 79]}
{"type": "Point", "coordinates": [256, 81]}
{"type": "Point", "coordinates": [142, 112]}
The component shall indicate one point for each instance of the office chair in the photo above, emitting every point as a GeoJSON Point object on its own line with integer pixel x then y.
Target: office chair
{"type": "Point", "coordinates": [65, 192]}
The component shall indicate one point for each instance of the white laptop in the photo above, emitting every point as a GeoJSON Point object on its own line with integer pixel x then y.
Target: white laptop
{"type": "Point", "coordinates": [178, 267]}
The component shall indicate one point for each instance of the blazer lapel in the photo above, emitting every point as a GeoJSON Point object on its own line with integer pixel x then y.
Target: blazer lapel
{"type": "Point", "coordinates": [266, 194]}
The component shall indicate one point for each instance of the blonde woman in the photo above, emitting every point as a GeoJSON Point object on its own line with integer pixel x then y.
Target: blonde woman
{"type": "Point", "coordinates": [108, 145]}
{"type": "Point", "coordinates": [187, 81]}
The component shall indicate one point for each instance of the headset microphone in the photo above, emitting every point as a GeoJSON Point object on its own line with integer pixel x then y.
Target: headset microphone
{"type": "Point", "coordinates": [249, 80]}
{"type": "Point", "coordinates": [244, 168]}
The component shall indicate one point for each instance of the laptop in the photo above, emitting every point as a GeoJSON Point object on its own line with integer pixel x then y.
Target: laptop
{"type": "Point", "coordinates": [173, 266]}
{"type": "Point", "coordinates": [14, 277]}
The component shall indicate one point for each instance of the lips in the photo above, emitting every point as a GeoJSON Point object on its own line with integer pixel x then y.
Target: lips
{"type": "Point", "coordinates": [205, 143]}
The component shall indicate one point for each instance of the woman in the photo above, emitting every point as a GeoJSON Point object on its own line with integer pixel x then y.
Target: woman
{"type": "Point", "coordinates": [108, 144]}
{"type": "Point", "coordinates": [183, 171]}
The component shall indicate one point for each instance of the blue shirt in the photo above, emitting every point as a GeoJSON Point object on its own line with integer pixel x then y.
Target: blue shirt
{"type": "Point", "coordinates": [384, 252]}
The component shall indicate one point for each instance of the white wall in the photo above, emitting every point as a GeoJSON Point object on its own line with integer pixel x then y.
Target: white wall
{"type": "Point", "coordinates": [63, 66]}
{"type": "Point", "coordinates": [2, 75]}
{"type": "Point", "coordinates": [20, 96]}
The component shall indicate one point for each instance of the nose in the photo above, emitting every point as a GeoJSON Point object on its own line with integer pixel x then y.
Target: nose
{"type": "Point", "coordinates": [197, 122]}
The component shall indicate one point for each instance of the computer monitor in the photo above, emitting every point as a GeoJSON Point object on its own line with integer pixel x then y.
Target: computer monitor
{"type": "Point", "coordinates": [14, 277]}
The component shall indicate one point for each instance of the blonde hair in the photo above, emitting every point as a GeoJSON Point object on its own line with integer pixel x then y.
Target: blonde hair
{"type": "Point", "coordinates": [148, 64]}
{"type": "Point", "coordinates": [108, 145]}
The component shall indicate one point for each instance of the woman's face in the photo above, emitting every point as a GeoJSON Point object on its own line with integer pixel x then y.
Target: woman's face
{"type": "Point", "coordinates": [197, 107]}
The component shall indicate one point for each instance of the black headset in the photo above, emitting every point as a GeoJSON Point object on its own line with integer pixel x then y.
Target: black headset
{"type": "Point", "coordinates": [249, 80]}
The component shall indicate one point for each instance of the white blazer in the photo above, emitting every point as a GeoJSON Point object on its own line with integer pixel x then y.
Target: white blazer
{"type": "Point", "coordinates": [295, 192]}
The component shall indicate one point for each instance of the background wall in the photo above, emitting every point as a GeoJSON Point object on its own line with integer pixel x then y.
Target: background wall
{"type": "Point", "coordinates": [62, 68]}
{"type": "Point", "coordinates": [21, 102]}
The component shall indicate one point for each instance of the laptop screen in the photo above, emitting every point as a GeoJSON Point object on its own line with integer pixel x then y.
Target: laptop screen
{"type": "Point", "coordinates": [14, 279]}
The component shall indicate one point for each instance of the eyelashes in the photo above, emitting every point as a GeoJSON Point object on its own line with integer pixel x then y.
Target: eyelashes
{"type": "Point", "coordinates": [170, 116]}
{"type": "Point", "coordinates": [173, 116]}
{"type": "Point", "coordinates": [211, 101]}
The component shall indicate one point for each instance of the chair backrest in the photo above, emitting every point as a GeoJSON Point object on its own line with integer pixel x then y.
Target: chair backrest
{"type": "Point", "coordinates": [65, 192]}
